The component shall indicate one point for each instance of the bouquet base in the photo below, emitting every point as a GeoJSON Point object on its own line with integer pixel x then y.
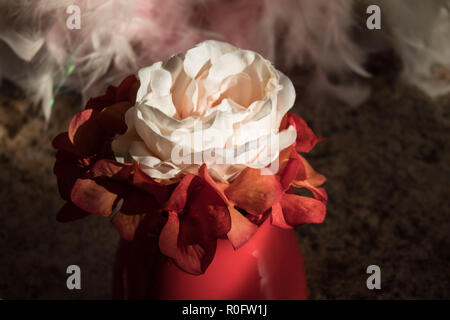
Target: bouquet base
{"type": "Point", "coordinates": [269, 266]}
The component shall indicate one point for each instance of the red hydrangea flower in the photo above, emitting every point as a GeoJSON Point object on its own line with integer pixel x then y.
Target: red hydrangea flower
{"type": "Point", "coordinates": [191, 213]}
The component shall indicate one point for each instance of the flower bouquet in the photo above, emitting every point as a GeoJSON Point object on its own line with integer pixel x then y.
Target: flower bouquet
{"type": "Point", "coordinates": [196, 165]}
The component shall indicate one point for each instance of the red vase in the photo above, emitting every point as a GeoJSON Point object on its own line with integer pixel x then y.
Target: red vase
{"type": "Point", "coordinates": [269, 266]}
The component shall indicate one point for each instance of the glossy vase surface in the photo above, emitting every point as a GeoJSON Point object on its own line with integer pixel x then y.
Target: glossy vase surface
{"type": "Point", "coordinates": [269, 266]}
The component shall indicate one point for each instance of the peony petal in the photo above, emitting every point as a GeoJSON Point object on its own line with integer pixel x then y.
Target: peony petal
{"type": "Point", "coordinates": [92, 197]}
{"type": "Point", "coordinates": [145, 75]}
{"type": "Point", "coordinates": [285, 97]}
{"type": "Point", "coordinates": [298, 210]}
{"type": "Point", "coordinates": [229, 64]}
{"type": "Point", "coordinates": [254, 192]}
{"type": "Point", "coordinates": [161, 82]}
{"type": "Point", "coordinates": [198, 56]}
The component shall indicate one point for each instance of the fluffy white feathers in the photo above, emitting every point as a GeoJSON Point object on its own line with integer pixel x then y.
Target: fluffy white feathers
{"type": "Point", "coordinates": [39, 52]}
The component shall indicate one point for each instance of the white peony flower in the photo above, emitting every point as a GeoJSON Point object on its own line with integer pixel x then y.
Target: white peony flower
{"type": "Point", "coordinates": [217, 104]}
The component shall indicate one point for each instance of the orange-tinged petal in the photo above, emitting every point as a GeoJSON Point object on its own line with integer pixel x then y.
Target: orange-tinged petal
{"type": "Point", "coordinates": [314, 178]}
{"type": "Point", "coordinates": [241, 228]}
{"type": "Point", "coordinates": [298, 210]}
{"type": "Point", "coordinates": [277, 217]}
{"type": "Point", "coordinates": [306, 139]}
{"type": "Point", "coordinates": [179, 196]}
{"type": "Point", "coordinates": [254, 192]}
{"type": "Point", "coordinates": [92, 197]}
{"type": "Point", "coordinates": [111, 169]}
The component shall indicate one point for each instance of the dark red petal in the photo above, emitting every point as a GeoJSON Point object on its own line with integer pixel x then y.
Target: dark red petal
{"type": "Point", "coordinates": [127, 224]}
{"type": "Point", "coordinates": [179, 196]}
{"type": "Point", "coordinates": [111, 169]}
{"type": "Point", "coordinates": [298, 210]}
{"type": "Point", "coordinates": [193, 259]}
{"type": "Point", "coordinates": [85, 133]}
{"type": "Point", "coordinates": [205, 217]}
{"type": "Point", "coordinates": [306, 139]}
{"type": "Point", "coordinates": [66, 173]}
{"type": "Point", "coordinates": [126, 90]}
{"type": "Point", "coordinates": [290, 172]}
{"type": "Point", "coordinates": [142, 181]}
{"type": "Point", "coordinates": [99, 103]}
{"type": "Point", "coordinates": [138, 202]}
{"type": "Point", "coordinates": [203, 172]}
{"type": "Point", "coordinates": [62, 142]}
{"type": "Point", "coordinates": [112, 118]}
{"type": "Point", "coordinates": [70, 212]}
{"type": "Point", "coordinates": [138, 215]}
{"type": "Point", "coordinates": [92, 197]}
{"type": "Point", "coordinates": [254, 192]}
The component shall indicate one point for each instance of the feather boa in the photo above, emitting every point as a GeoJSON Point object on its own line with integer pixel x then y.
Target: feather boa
{"type": "Point", "coordinates": [39, 52]}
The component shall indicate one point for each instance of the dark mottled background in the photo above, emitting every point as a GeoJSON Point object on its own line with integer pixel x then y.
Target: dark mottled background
{"type": "Point", "coordinates": [388, 168]}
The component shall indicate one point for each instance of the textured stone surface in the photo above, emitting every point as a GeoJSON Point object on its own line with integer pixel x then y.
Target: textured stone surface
{"type": "Point", "coordinates": [388, 168]}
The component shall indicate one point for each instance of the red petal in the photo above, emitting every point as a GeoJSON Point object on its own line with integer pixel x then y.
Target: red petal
{"type": "Point", "coordinates": [142, 181]}
{"type": "Point", "coordinates": [254, 192]}
{"type": "Point", "coordinates": [306, 139]}
{"type": "Point", "coordinates": [178, 199]}
{"type": "Point", "coordinates": [298, 210]}
{"type": "Point", "coordinates": [85, 133]}
{"type": "Point", "coordinates": [112, 118]}
{"type": "Point", "coordinates": [111, 169]}
{"type": "Point", "coordinates": [127, 89]}
{"type": "Point", "coordinates": [314, 178]}
{"type": "Point", "coordinates": [290, 172]}
{"type": "Point", "coordinates": [139, 215]}
{"type": "Point", "coordinates": [92, 197]}
{"type": "Point", "coordinates": [70, 212]}
{"type": "Point", "coordinates": [62, 142]}
{"type": "Point", "coordinates": [277, 217]}
{"type": "Point", "coordinates": [127, 224]}
{"type": "Point", "coordinates": [99, 103]}
{"type": "Point", "coordinates": [203, 172]}
{"type": "Point", "coordinates": [193, 259]}
{"type": "Point", "coordinates": [205, 217]}
{"type": "Point", "coordinates": [308, 178]}
{"type": "Point", "coordinates": [241, 229]}
{"type": "Point", "coordinates": [66, 173]}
